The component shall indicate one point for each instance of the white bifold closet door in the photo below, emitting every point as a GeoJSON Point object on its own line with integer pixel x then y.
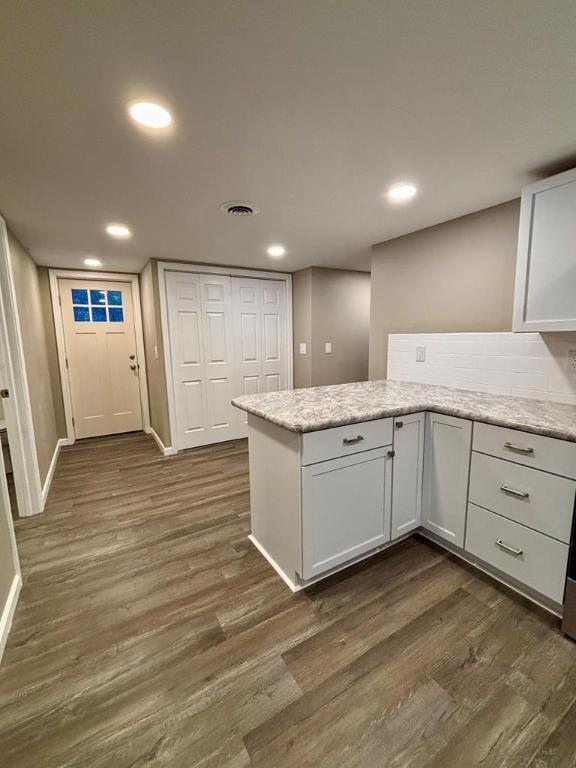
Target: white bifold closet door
{"type": "Point", "coordinates": [227, 337]}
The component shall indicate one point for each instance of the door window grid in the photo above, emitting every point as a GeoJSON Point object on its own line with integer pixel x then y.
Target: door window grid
{"type": "Point", "coordinates": [97, 305]}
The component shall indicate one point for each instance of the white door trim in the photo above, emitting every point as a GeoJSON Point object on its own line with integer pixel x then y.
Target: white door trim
{"type": "Point", "coordinates": [176, 266]}
{"type": "Point", "coordinates": [18, 410]}
{"type": "Point", "coordinates": [118, 277]}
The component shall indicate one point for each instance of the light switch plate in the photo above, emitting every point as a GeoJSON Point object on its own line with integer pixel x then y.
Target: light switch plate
{"type": "Point", "coordinates": [420, 354]}
{"type": "Point", "coordinates": [302, 348]}
{"type": "Point", "coordinates": [328, 347]}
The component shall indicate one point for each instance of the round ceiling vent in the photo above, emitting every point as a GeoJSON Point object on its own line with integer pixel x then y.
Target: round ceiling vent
{"type": "Point", "coordinates": [239, 208]}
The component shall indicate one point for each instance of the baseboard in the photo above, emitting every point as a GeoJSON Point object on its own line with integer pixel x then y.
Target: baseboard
{"type": "Point", "coordinates": [8, 612]}
{"type": "Point", "coordinates": [170, 451]}
{"type": "Point", "coordinates": [293, 586]}
{"type": "Point", "coordinates": [51, 469]}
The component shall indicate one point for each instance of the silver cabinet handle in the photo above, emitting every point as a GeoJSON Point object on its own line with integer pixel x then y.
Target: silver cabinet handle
{"type": "Point", "coordinates": [514, 492]}
{"type": "Point", "coordinates": [353, 440]}
{"type": "Point", "coordinates": [518, 448]}
{"type": "Point", "coordinates": [508, 548]}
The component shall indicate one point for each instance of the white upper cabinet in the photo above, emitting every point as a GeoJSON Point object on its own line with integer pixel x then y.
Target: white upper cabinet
{"type": "Point", "coordinates": [545, 296]}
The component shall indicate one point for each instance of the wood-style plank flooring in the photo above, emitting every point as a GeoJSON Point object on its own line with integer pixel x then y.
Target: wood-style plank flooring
{"type": "Point", "coordinates": [151, 633]}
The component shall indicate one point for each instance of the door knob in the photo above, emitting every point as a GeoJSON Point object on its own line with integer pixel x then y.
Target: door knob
{"type": "Point", "coordinates": [132, 367]}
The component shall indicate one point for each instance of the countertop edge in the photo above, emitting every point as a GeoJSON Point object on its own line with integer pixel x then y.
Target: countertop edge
{"type": "Point", "coordinates": [404, 411]}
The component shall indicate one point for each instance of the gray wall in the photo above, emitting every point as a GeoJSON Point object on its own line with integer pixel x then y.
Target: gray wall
{"type": "Point", "coordinates": [456, 276]}
{"type": "Point", "coordinates": [38, 351]}
{"type": "Point", "coordinates": [331, 305]}
{"type": "Point", "coordinates": [155, 372]}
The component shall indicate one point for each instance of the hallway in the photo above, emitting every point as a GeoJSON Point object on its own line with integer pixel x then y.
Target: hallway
{"type": "Point", "coordinates": [150, 632]}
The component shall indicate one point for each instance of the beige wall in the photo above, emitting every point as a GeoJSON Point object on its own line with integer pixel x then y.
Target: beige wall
{"type": "Point", "coordinates": [456, 276]}
{"type": "Point", "coordinates": [35, 339]}
{"type": "Point", "coordinates": [331, 305]}
{"type": "Point", "coordinates": [155, 372]}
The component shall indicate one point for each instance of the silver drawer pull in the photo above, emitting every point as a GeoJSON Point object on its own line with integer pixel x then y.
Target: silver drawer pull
{"type": "Point", "coordinates": [514, 492]}
{"type": "Point", "coordinates": [518, 448]}
{"type": "Point", "coordinates": [353, 440]}
{"type": "Point", "coordinates": [508, 548]}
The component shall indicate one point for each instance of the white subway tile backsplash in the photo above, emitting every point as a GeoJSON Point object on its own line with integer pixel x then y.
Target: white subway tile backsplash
{"type": "Point", "coordinates": [525, 365]}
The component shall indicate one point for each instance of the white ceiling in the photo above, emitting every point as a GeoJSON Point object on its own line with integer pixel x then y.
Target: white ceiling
{"type": "Point", "coordinates": [310, 108]}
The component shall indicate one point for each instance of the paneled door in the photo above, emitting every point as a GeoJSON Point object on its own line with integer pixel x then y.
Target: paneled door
{"type": "Point", "coordinates": [101, 356]}
{"type": "Point", "coordinates": [201, 343]}
{"type": "Point", "coordinates": [261, 359]}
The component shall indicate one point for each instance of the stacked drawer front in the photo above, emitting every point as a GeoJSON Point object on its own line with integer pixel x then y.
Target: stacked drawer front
{"type": "Point", "coordinates": [520, 514]}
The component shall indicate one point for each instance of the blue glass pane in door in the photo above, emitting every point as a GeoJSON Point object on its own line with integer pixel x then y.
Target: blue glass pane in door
{"type": "Point", "coordinates": [79, 296]}
{"type": "Point", "coordinates": [97, 297]}
{"type": "Point", "coordinates": [115, 297]}
{"type": "Point", "coordinates": [116, 314]}
{"type": "Point", "coordinates": [81, 314]}
{"type": "Point", "coordinates": [98, 314]}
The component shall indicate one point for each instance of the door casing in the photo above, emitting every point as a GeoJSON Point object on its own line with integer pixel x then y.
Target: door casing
{"type": "Point", "coordinates": [118, 277]}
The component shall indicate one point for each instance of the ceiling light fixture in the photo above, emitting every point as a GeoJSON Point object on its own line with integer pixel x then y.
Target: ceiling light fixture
{"type": "Point", "coordinates": [120, 231]}
{"type": "Point", "coordinates": [150, 115]}
{"type": "Point", "coordinates": [276, 251]}
{"type": "Point", "coordinates": [90, 262]}
{"type": "Point", "coordinates": [399, 193]}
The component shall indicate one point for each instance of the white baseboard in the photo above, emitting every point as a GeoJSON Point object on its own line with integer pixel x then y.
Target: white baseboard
{"type": "Point", "coordinates": [8, 612]}
{"type": "Point", "coordinates": [170, 451]}
{"type": "Point", "coordinates": [52, 468]}
{"type": "Point", "coordinates": [294, 587]}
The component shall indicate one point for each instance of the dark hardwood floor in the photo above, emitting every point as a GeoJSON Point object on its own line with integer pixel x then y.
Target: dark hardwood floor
{"type": "Point", "coordinates": [151, 633]}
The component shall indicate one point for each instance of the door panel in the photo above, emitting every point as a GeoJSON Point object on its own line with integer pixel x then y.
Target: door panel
{"type": "Point", "coordinates": [100, 341]}
{"type": "Point", "coordinates": [408, 473]}
{"type": "Point", "coordinates": [272, 382]}
{"type": "Point", "coordinates": [201, 326]}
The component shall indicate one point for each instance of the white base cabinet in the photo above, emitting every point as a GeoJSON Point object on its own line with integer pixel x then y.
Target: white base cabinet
{"type": "Point", "coordinates": [446, 471]}
{"type": "Point", "coordinates": [345, 509]}
{"type": "Point", "coordinates": [408, 473]}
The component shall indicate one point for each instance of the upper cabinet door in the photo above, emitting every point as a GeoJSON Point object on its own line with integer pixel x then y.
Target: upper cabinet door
{"type": "Point", "coordinates": [545, 296]}
{"type": "Point", "coordinates": [446, 470]}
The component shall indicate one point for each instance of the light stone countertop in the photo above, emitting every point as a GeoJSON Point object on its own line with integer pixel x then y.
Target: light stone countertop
{"type": "Point", "coordinates": [309, 410]}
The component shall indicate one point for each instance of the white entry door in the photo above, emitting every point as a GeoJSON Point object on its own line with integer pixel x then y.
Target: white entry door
{"type": "Point", "coordinates": [101, 355]}
{"type": "Point", "coordinates": [227, 338]}
{"type": "Point", "coordinates": [260, 347]}
{"type": "Point", "coordinates": [201, 344]}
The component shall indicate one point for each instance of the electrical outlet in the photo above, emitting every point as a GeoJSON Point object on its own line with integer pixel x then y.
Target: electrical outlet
{"type": "Point", "coordinates": [420, 354]}
{"type": "Point", "coordinates": [572, 361]}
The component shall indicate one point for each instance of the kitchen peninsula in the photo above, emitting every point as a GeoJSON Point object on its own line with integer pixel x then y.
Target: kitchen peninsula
{"type": "Point", "coordinates": [338, 473]}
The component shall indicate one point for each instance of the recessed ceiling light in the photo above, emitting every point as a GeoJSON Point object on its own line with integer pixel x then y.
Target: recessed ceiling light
{"type": "Point", "coordinates": [150, 115]}
{"type": "Point", "coordinates": [119, 230]}
{"type": "Point", "coordinates": [400, 192]}
{"type": "Point", "coordinates": [276, 251]}
{"type": "Point", "coordinates": [90, 262]}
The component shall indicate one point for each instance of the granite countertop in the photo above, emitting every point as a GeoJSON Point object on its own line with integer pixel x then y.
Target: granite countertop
{"type": "Point", "coordinates": [309, 410]}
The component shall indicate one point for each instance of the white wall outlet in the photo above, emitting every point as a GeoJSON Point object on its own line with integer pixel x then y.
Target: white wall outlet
{"type": "Point", "coordinates": [302, 348]}
{"type": "Point", "coordinates": [328, 347]}
{"type": "Point", "coordinates": [420, 354]}
{"type": "Point", "coordinates": [572, 361]}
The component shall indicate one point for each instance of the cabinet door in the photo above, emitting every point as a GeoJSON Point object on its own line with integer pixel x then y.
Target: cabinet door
{"type": "Point", "coordinates": [545, 297]}
{"type": "Point", "coordinates": [446, 471]}
{"type": "Point", "coordinates": [345, 509]}
{"type": "Point", "coordinates": [407, 473]}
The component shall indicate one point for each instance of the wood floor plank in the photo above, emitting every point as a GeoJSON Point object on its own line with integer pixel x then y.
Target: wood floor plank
{"type": "Point", "coordinates": [150, 632]}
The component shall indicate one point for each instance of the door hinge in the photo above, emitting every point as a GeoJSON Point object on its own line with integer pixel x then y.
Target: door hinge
{"type": "Point", "coordinates": [391, 454]}
{"type": "Point", "coordinates": [4, 393]}
{"type": "Point", "coordinates": [73, 421]}
{"type": "Point", "coordinates": [399, 424]}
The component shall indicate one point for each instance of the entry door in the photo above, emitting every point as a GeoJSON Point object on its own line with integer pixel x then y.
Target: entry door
{"type": "Point", "coordinates": [100, 340]}
{"type": "Point", "coordinates": [260, 325]}
{"type": "Point", "coordinates": [201, 343]}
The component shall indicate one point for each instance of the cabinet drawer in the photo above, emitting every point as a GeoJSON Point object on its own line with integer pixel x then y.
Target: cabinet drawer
{"type": "Point", "coordinates": [547, 453]}
{"type": "Point", "coordinates": [527, 556]}
{"type": "Point", "coordinates": [528, 496]}
{"type": "Point", "coordinates": [344, 441]}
